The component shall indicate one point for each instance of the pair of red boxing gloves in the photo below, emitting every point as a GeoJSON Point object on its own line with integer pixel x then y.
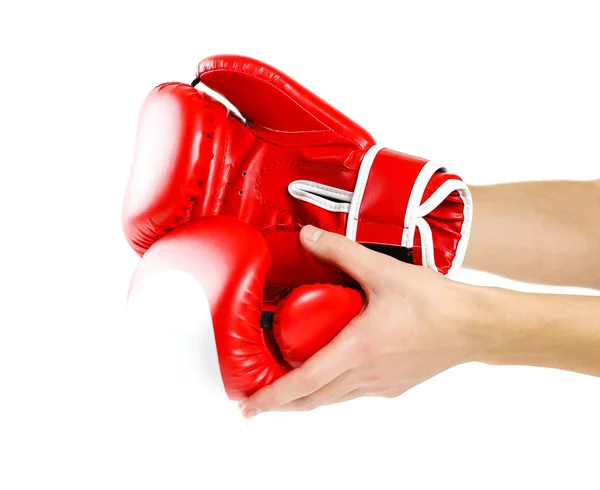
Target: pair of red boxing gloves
{"type": "Point", "coordinates": [221, 195]}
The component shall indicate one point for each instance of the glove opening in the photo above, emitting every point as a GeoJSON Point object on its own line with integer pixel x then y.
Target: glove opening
{"type": "Point", "coordinates": [398, 252]}
{"type": "Point", "coordinates": [266, 325]}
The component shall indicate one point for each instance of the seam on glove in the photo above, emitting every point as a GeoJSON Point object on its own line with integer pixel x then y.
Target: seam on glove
{"type": "Point", "coordinates": [262, 132]}
{"type": "Point", "coordinates": [222, 185]}
{"type": "Point", "coordinates": [359, 190]}
{"type": "Point", "coordinates": [381, 223]}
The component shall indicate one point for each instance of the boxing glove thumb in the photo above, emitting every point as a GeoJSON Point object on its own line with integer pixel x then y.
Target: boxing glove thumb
{"type": "Point", "coordinates": [310, 317]}
{"type": "Point", "coordinates": [200, 288]}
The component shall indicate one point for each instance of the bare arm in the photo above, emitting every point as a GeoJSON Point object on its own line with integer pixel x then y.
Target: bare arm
{"type": "Point", "coordinates": [542, 232]}
{"type": "Point", "coordinates": [548, 330]}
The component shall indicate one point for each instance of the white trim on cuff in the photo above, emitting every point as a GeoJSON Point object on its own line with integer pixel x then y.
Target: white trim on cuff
{"type": "Point", "coordinates": [427, 245]}
{"type": "Point", "coordinates": [413, 207]}
{"type": "Point", "coordinates": [341, 201]}
{"type": "Point", "coordinates": [465, 230]}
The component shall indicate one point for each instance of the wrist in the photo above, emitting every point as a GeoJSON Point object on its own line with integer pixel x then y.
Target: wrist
{"type": "Point", "coordinates": [487, 323]}
{"type": "Point", "coordinates": [507, 326]}
{"type": "Point", "coordinates": [504, 327]}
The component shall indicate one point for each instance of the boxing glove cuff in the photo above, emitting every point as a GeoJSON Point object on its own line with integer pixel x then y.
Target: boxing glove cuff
{"type": "Point", "coordinates": [394, 203]}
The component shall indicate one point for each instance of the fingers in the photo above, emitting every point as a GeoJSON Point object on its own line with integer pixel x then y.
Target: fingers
{"type": "Point", "coordinates": [363, 391]}
{"type": "Point", "coordinates": [344, 388]}
{"type": "Point", "coordinates": [346, 382]}
{"type": "Point", "coordinates": [357, 261]}
{"type": "Point", "coordinates": [352, 395]}
{"type": "Point", "coordinates": [331, 362]}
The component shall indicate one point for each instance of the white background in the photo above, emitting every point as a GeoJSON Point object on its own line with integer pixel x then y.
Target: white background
{"type": "Point", "coordinates": [498, 91]}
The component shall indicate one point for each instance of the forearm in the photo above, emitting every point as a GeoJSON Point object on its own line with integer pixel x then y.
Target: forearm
{"type": "Point", "coordinates": [542, 232]}
{"type": "Point", "coordinates": [556, 331]}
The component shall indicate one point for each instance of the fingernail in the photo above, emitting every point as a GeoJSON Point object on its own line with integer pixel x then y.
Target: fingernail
{"type": "Point", "coordinates": [250, 413]}
{"type": "Point", "coordinates": [312, 233]}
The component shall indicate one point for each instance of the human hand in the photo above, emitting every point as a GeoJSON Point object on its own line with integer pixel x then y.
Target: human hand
{"type": "Point", "coordinates": [414, 326]}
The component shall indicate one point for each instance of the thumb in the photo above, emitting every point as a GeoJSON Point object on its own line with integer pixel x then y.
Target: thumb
{"type": "Point", "coordinates": [360, 263]}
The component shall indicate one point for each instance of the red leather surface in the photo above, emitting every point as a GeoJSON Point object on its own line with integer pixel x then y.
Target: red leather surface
{"type": "Point", "coordinates": [173, 161]}
{"type": "Point", "coordinates": [445, 222]}
{"type": "Point", "coordinates": [327, 306]}
{"type": "Point", "coordinates": [193, 159]}
{"type": "Point", "coordinates": [388, 189]}
{"type": "Point", "coordinates": [270, 99]}
{"type": "Point", "coordinates": [230, 260]}
{"type": "Point", "coordinates": [179, 174]}
{"type": "Point", "coordinates": [381, 216]}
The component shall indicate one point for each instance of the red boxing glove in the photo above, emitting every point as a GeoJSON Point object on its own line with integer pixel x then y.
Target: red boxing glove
{"type": "Point", "coordinates": [292, 160]}
{"type": "Point", "coordinates": [229, 261]}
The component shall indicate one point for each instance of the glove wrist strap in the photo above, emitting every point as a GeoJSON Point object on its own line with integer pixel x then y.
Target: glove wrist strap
{"type": "Point", "coordinates": [395, 197]}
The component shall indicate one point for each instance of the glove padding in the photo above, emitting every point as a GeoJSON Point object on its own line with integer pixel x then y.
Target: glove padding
{"type": "Point", "coordinates": [229, 260]}
{"type": "Point", "coordinates": [292, 160]}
